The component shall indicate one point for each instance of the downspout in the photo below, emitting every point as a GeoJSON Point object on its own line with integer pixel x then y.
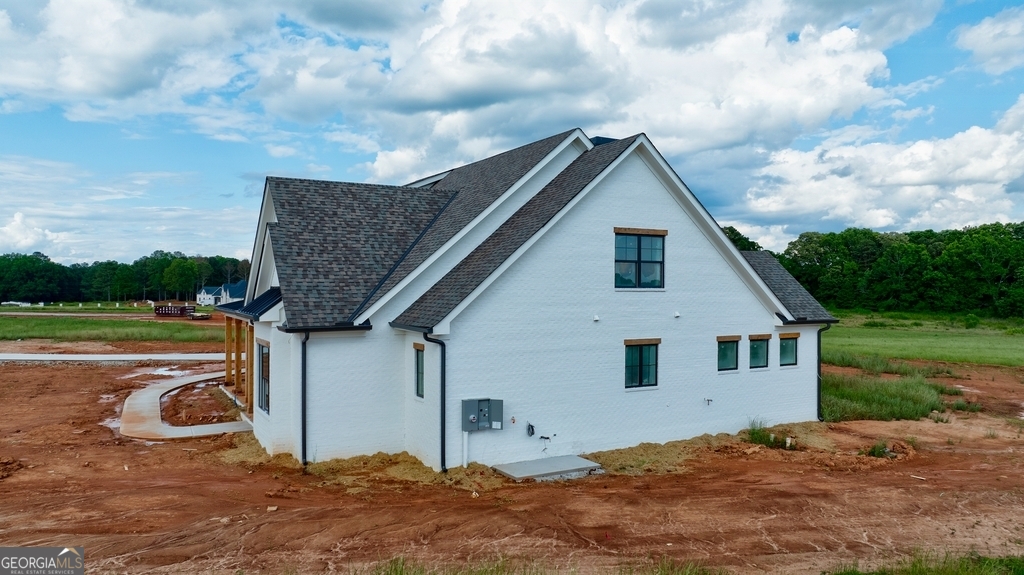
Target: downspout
{"type": "Point", "coordinates": [821, 416]}
{"type": "Point", "coordinates": [305, 338]}
{"type": "Point", "coordinates": [444, 354]}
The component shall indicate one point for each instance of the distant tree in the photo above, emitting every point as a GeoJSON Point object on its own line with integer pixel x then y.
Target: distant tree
{"type": "Point", "coordinates": [32, 278]}
{"type": "Point", "coordinates": [243, 269]}
{"type": "Point", "coordinates": [180, 276]}
{"type": "Point", "coordinates": [742, 242]}
{"type": "Point", "coordinates": [124, 284]}
{"type": "Point", "coordinates": [205, 271]}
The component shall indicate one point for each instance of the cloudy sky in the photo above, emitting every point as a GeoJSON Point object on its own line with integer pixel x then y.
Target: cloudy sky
{"type": "Point", "coordinates": [130, 126]}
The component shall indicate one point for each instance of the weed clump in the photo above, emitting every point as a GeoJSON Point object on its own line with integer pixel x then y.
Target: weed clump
{"type": "Point", "coordinates": [759, 435]}
{"type": "Point", "coordinates": [847, 398]}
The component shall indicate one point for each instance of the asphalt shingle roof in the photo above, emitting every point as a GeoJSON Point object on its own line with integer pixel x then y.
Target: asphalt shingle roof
{"type": "Point", "coordinates": [797, 300]}
{"type": "Point", "coordinates": [334, 242]}
{"type": "Point", "coordinates": [455, 286]}
{"type": "Point", "coordinates": [479, 184]}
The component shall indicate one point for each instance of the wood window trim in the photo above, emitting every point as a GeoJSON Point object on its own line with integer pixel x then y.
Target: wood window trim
{"type": "Point", "coordinates": [263, 342]}
{"type": "Point", "coordinates": [648, 341]}
{"type": "Point", "coordinates": [729, 337]}
{"type": "Point", "coordinates": [792, 335]}
{"type": "Point", "coordinates": [418, 346]}
{"type": "Point", "coordinates": [640, 231]}
{"type": "Point", "coordinates": [758, 336]}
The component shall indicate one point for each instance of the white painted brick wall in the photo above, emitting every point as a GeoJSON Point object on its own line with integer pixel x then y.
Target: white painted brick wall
{"type": "Point", "coordinates": [531, 339]}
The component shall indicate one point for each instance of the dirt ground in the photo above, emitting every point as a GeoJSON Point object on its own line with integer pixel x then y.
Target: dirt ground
{"type": "Point", "coordinates": [219, 505]}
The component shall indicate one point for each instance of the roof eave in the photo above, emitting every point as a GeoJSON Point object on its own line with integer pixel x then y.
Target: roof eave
{"type": "Point", "coordinates": [416, 328]}
{"type": "Point", "coordinates": [347, 326]}
{"type": "Point", "coordinates": [805, 321]}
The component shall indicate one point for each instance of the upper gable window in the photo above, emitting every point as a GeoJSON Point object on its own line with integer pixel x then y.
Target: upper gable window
{"type": "Point", "coordinates": [639, 258]}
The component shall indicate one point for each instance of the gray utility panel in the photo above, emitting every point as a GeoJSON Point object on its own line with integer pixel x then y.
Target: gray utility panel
{"type": "Point", "coordinates": [478, 414]}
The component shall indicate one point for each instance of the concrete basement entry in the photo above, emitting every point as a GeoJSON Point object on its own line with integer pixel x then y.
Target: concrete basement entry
{"type": "Point", "coordinates": [549, 468]}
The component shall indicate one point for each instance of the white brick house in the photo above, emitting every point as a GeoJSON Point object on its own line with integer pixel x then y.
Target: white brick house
{"type": "Point", "coordinates": [583, 285]}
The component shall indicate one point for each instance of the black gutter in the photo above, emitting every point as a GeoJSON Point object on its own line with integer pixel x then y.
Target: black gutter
{"type": "Point", "coordinates": [444, 355]}
{"type": "Point", "coordinates": [305, 338]}
{"type": "Point", "coordinates": [805, 321]}
{"type": "Point", "coordinates": [827, 326]}
{"type": "Point", "coordinates": [347, 326]}
{"type": "Point", "coordinates": [380, 284]}
{"type": "Point", "coordinates": [443, 386]}
{"type": "Point", "coordinates": [418, 328]}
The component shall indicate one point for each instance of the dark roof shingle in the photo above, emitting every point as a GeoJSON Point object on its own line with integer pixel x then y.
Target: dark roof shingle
{"type": "Point", "coordinates": [479, 184]}
{"type": "Point", "coordinates": [334, 242]}
{"type": "Point", "coordinates": [447, 293]}
{"type": "Point", "coordinates": [797, 300]}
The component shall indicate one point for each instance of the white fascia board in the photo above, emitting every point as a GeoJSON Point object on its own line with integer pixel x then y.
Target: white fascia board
{"type": "Point", "coordinates": [273, 314]}
{"type": "Point", "coordinates": [444, 327]}
{"type": "Point", "coordinates": [428, 180]}
{"type": "Point", "coordinates": [710, 228]}
{"type": "Point", "coordinates": [267, 215]}
{"type": "Point", "coordinates": [576, 136]}
{"type": "Point", "coordinates": [267, 265]}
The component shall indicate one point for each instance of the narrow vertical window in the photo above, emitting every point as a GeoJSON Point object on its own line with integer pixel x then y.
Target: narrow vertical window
{"type": "Point", "coordinates": [787, 348]}
{"type": "Point", "coordinates": [419, 349]}
{"type": "Point", "coordinates": [759, 350]}
{"type": "Point", "coordinates": [728, 352]}
{"type": "Point", "coordinates": [642, 362]}
{"type": "Point", "coordinates": [263, 388]}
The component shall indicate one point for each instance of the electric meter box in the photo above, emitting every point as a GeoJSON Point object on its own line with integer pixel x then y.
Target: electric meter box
{"type": "Point", "coordinates": [480, 414]}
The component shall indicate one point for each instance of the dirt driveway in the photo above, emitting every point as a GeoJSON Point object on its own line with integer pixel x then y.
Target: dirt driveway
{"type": "Point", "coordinates": [66, 478]}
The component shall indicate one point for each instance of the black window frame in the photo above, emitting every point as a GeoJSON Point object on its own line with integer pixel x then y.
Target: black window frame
{"type": "Point", "coordinates": [263, 381]}
{"type": "Point", "coordinates": [639, 261]}
{"type": "Point", "coordinates": [767, 348]}
{"type": "Point", "coordinates": [796, 351]}
{"type": "Point", "coordinates": [420, 371]}
{"type": "Point", "coordinates": [637, 381]}
{"type": "Point", "coordinates": [735, 343]}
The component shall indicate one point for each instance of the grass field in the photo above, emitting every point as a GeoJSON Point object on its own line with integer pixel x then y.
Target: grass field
{"type": "Point", "coordinates": [926, 336]}
{"type": "Point", "coordinates": [86, 329]}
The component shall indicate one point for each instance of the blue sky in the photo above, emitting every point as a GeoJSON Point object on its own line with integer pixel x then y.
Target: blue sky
{"type": "Point", "coordinates": [131, 126]}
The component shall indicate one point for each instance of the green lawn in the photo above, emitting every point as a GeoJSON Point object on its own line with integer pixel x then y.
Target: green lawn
{"type": "Point", "coordinates": [935, 340]}
{"type": "Point", "coordinates": [87, 329]}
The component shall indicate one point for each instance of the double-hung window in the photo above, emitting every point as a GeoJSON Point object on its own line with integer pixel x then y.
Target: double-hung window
{"type": "Point", "coordinates": [419, 349]}
{"type": "Point", "coordinates": [728, 352]}
{"type": "Point", "coordinates": [642, 362]}
{"type": "Point", "coordinates": [263, 383]}
{"type": "Point", "coordinates": [787, 348]}
{"type": "Point", "coordinates": [639, 258]}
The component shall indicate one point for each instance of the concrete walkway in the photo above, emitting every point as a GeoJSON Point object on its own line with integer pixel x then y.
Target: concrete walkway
{"type": "Point", "coordinates": [140, 416]}
{"type": "Point", "coordinates": [112, 357]}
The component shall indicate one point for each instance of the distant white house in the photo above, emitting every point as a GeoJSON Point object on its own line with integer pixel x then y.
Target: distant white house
{"type": "Point", "coordinates": [577, 280]}
{"type": "Point", "coordinates": [222, 294]}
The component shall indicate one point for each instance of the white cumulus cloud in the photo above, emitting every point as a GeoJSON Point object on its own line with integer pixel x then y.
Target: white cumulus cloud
{"type": "Point", "coordinates": [966, 179]}
{"type": "Point", "coordinates": [997, 42]}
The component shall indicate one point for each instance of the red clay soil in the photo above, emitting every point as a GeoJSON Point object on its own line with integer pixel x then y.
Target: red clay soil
{"type": "Point", "coordinates": [197, 404]}
{"type": "Point", "coordinates": [179, 507]}
{"type": "Point", "coordinates": [99, 347]}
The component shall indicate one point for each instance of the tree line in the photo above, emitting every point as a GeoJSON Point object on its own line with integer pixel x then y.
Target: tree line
{"type": "Point", "coordinates": [35, 278]}
{"type": "Point", "coordinates": [978, 269]}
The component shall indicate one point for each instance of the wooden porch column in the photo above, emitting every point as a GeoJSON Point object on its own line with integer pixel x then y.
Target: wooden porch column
{"type": "Point", "coordinates": [227, 348]}
{"type": "Point", "coordinates": [250, 363]}
{"type": "Point", "coordinates": [236, 378]}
